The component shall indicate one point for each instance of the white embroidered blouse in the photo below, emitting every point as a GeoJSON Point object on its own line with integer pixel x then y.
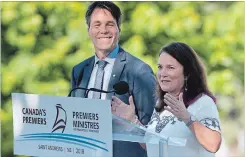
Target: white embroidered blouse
{"type": "Point", "coordinates": [166, 124]}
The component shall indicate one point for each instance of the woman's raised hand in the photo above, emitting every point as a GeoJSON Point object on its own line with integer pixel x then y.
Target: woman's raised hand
{"type": "Point", "coordinates": [176, 107]}
{"type": "Point", "coordinates": [120, 109]}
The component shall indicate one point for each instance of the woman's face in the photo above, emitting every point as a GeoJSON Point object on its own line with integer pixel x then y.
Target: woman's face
{"type": "Point", "coordinates": [170, 74]}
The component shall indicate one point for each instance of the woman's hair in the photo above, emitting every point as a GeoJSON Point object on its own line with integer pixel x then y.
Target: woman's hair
{"type": "Point", "coordinates": [194, 72]}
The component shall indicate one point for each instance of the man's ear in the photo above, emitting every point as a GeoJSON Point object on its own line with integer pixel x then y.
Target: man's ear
{"type": "Point", "coordinates": [88, 31]}
{"type": "Point", "coordinates": [88, 28]}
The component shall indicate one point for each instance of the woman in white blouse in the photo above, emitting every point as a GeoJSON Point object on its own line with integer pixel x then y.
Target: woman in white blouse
{"type": "Point", "coordinates": [185, 107]}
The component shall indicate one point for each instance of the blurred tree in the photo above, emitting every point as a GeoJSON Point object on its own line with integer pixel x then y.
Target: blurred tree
{"type": "Point", "coordinates": [42, 41]}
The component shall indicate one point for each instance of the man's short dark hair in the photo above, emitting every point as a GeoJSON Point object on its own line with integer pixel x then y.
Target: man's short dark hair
{"type": "Point", "coordinates": [110, 6]}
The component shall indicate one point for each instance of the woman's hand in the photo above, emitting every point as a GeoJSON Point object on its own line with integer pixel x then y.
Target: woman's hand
{"type": "Point", "coordinates": [208, 138]}
{"type": "Point", "coordinates": [177, 107]}
{"type": "Point", "coordinates": [120, 109]}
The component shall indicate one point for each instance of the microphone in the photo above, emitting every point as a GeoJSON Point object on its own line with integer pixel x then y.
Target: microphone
{"type": "Point", "coordinates": [120, 88]}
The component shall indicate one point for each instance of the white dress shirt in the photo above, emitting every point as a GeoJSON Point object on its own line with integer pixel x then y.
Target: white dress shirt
{"type": "Point", "coordinates": [107, 73]}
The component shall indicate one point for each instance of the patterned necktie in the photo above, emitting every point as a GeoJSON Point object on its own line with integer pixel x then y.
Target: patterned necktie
{"type": "Point", "coordinates": [98, 84]}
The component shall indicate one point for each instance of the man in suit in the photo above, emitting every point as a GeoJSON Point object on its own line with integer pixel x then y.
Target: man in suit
{"type": "Point", "coordinates": [111, 64]}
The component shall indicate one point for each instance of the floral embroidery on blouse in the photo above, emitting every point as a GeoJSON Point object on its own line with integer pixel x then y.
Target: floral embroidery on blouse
{"type": "Point", "coordinates": [161, 122]}
{"type": "Point", "coordinates": [211, 123]}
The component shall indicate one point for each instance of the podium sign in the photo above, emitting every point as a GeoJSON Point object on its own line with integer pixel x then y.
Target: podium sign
{"type": "Point", "coordinates": [61, 126]}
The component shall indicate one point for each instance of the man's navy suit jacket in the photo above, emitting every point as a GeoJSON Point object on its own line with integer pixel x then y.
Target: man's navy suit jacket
{"type": "Point", "coordinates": [141, 82]}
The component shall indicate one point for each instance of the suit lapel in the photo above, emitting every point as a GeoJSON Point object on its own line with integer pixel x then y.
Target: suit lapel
{"type": "Point", "coordinates": [86, 76]}
{"type": "Point", "coordinates": [117, 71]}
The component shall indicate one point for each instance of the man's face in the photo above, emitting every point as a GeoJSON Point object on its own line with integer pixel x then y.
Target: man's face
{"type": "Point", "coordinates": [103, 30]}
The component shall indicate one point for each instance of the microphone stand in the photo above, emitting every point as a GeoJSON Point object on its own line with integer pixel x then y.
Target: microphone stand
{"type": "Point", "coordinates": [76, 89]}
{"type": "Point", "coordinates": [96, 90]}
{"type": "Point", "coordinates": [88, 90]}
{"type": "Point", "coordinates": [119, 88]}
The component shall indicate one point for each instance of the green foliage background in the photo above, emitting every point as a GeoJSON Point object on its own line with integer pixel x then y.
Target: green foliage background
{"type": "Point", "coordinates": [42, 41]}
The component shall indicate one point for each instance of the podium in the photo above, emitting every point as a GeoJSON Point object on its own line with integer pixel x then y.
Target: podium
{"type": "Point", "coordinates": [71, 126]}
{"type": "Point", "coordinates": [124, 130]}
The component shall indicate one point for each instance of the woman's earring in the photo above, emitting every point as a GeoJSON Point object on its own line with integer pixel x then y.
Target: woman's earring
{"type": "Point", "coordinates": [186, 85]}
